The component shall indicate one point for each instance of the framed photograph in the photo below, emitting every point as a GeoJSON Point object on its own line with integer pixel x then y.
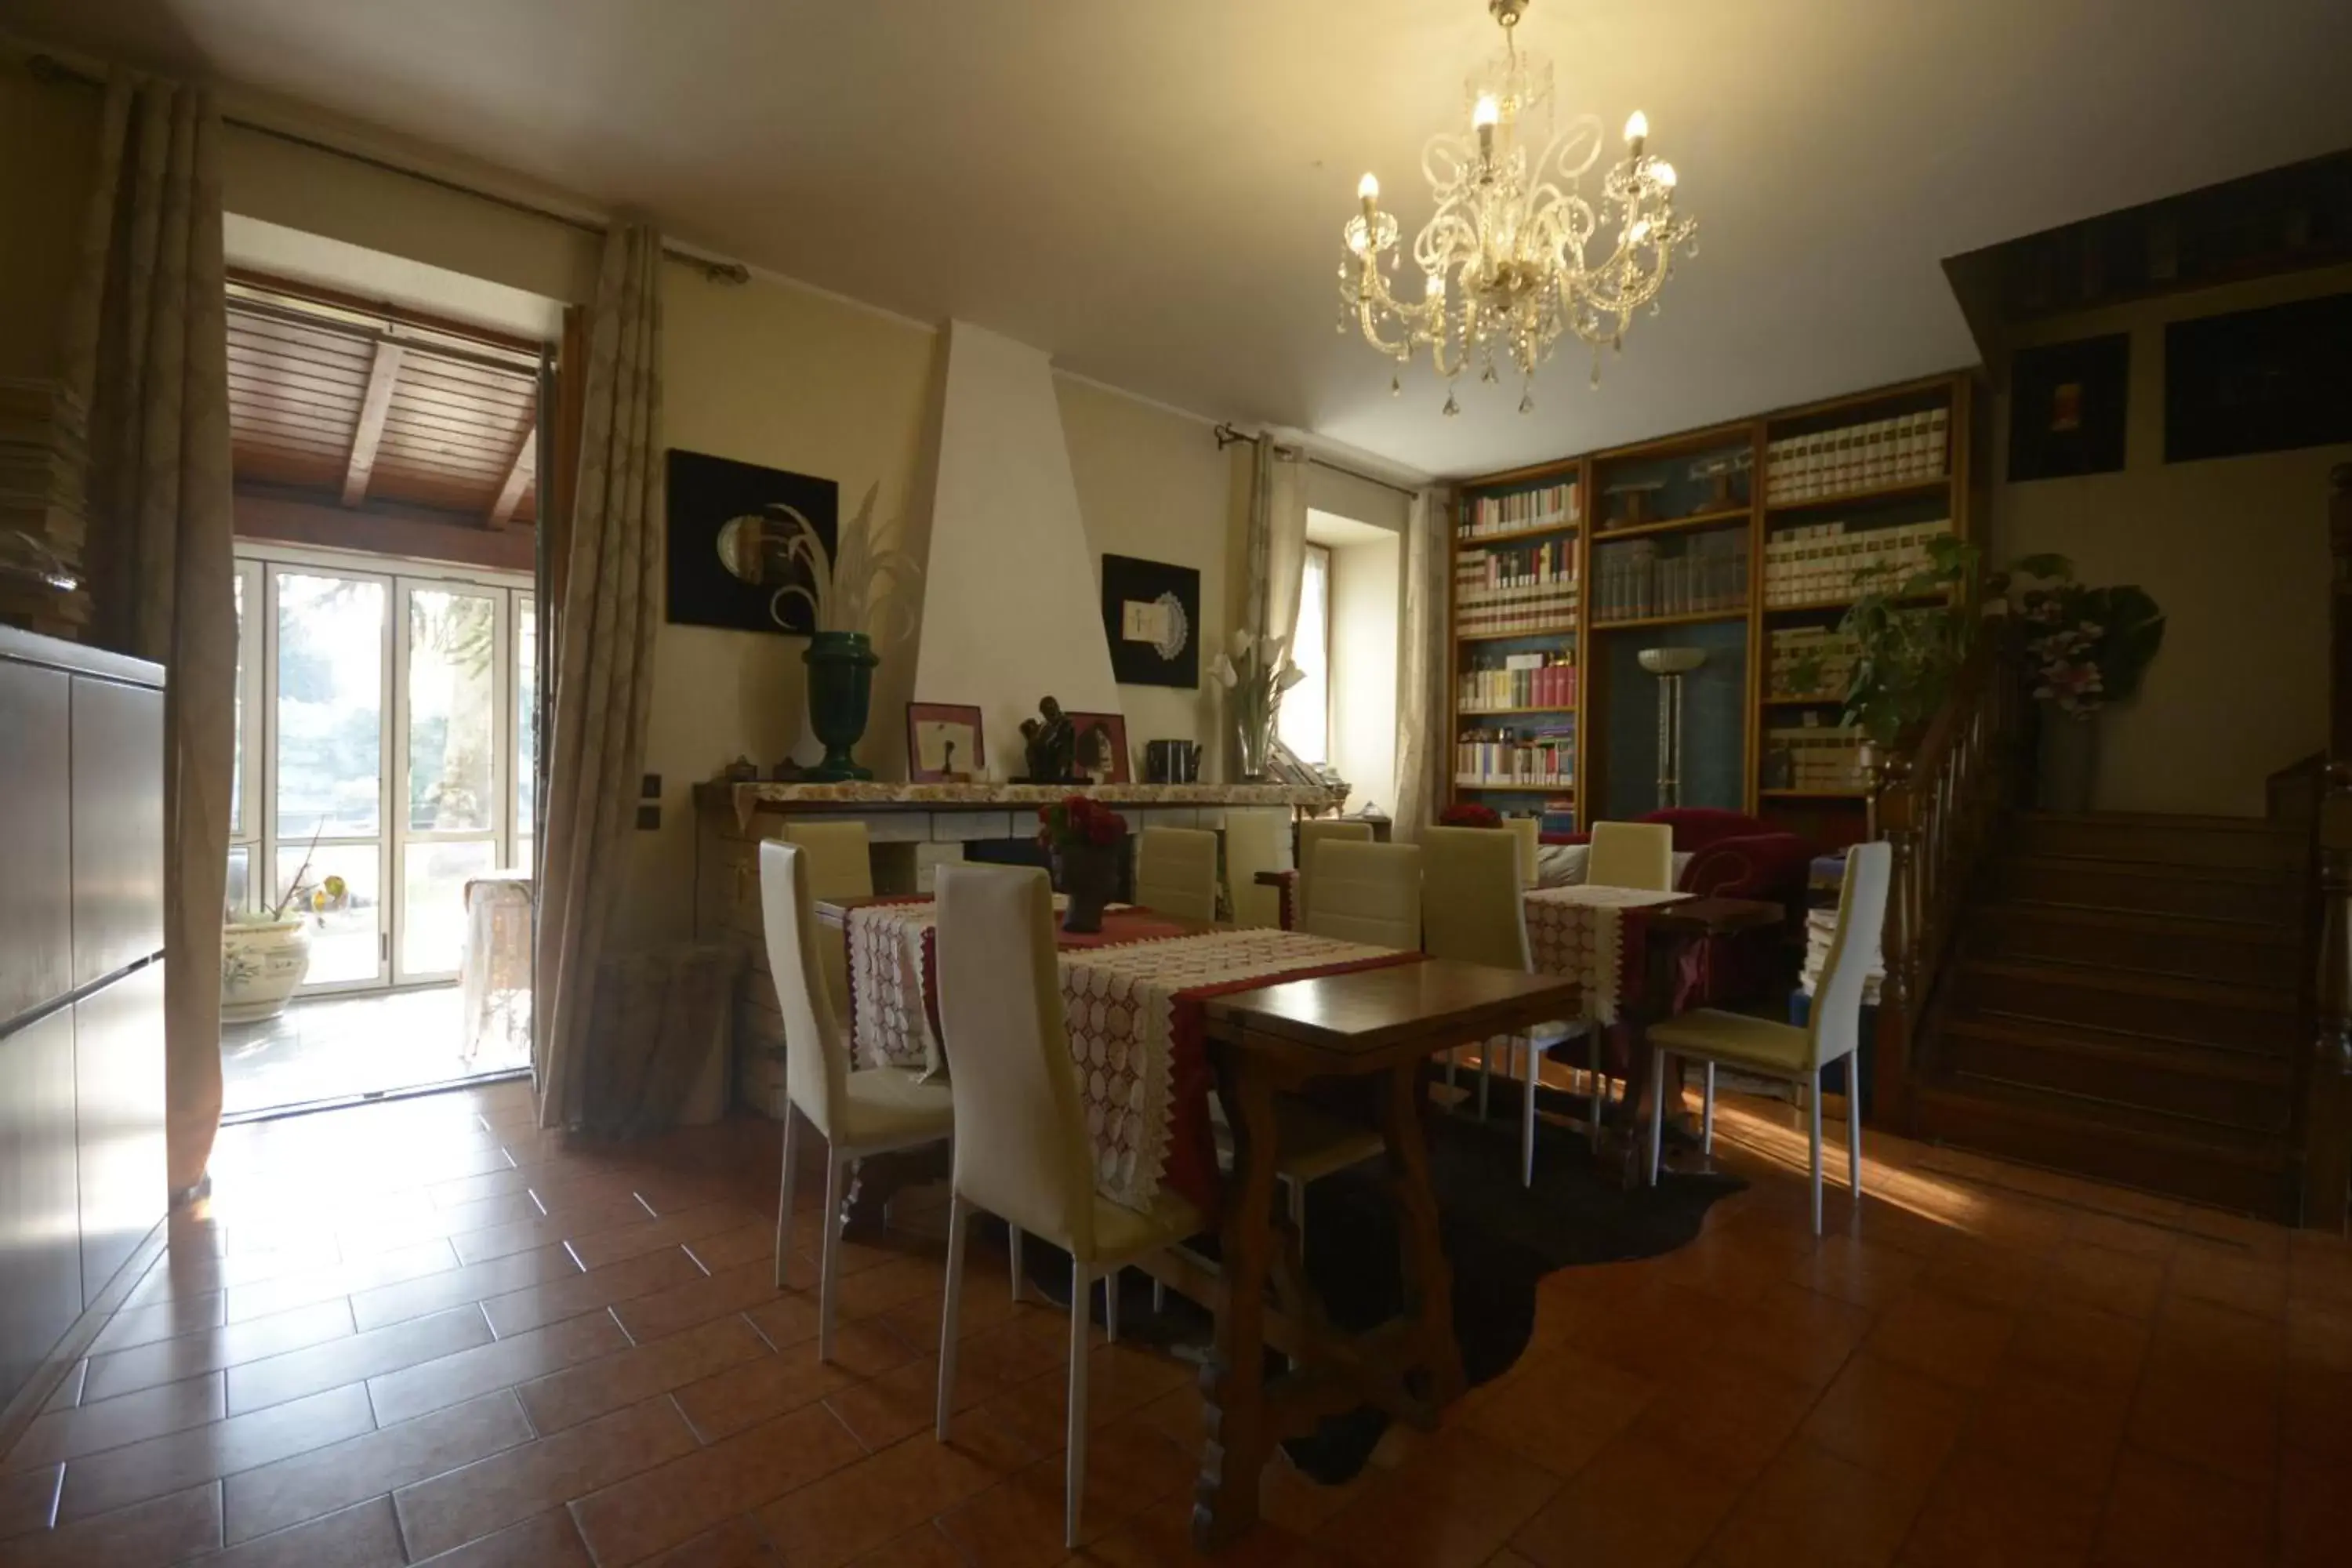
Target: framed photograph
{"type": "Point", "coordinates": [2066, 405]}
{"type": "Point", "coordinates": [1102, 747]}
{"type": "Point", "coordinates": [1151, 614]}
{"type": "Point", "coordinates": [746, 544]}
{"type": "Point", "coordinates": [943, 743]}
{"type": "Point", "coordinates": [2258, 380]}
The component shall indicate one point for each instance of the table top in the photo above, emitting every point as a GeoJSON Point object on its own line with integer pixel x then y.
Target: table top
{"type": "Point", "coordinates": [1684, 917]}
{"type": "Point", "coordinates": [1372, 1012]}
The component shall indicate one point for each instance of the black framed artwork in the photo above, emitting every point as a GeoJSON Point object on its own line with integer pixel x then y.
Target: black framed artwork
{"type": "Point", "coordinates": [2259, 381]}
{"type": "Point", "coordinates": [741, 541]}
{"type": "Point", "coordinates": [1151, 614]}
{"type": "Point", "coordinates": [2066, 405]}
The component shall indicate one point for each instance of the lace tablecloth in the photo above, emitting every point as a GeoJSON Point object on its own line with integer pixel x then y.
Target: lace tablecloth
{"type": "Point", "coordinates": [1135, 1011]}
{"type": "Point", "coordinates": [1582, 932]}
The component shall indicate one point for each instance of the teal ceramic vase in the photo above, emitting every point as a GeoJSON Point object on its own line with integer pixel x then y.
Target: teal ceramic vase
{"type": "Point", "coordinates": [840, 689]}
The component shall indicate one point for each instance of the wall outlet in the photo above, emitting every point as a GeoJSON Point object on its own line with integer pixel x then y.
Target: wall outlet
{"type": "Point", "coordinates": [649, 787]}
{"type": "Point", "coordinates": [649, 819]}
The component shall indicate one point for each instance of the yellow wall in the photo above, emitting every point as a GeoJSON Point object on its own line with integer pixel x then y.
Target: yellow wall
{"type": "Point", "coordinates": [49, 135]}
{"type": "Point", "coordinates": [2235, 550]}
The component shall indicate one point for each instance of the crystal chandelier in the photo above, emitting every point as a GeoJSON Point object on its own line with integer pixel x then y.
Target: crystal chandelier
{"type": "Point", "coordinates": [1514, 255]}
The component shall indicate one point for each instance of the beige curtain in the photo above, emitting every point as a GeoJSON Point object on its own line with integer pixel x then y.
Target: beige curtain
{"type": "Point", "coordinates": [603, 666]}
{"type": "Point", "coordinates": [146, 351]}
{"type": "Point", "coordinates": [1277, 538]}
{"type": "Point", "coordinates": [1423, 746]}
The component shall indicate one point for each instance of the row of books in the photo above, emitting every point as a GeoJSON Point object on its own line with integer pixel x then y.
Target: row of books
{"type": "Point", "coordinates": [1498, 682]}
{"type": "Point", "coordinates": [1512, 566]}
{"type": "Point", "coordinates": [1873, 455]}
{"type": "Point", "coordinates": [1814, 757]}
{"type": "Point", "coordinates": [1550, 608]}
{"type": "Point", "coordinates": [1825, 561]}
{"type": "Point", "coordinates": [1633, 582]}
{"type": "Point", "coordinates": [1553, 506]}
{"type": "Point", "coordinates": [44, 506]}
{"type": "Point", "coordinates": [1541, 756]}
{"type": "Point", "coordinates": [1809, 661]}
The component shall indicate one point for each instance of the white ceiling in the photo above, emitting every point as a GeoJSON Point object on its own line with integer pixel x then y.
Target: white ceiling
{"type": "Point", "coordinates": [1151, 190]}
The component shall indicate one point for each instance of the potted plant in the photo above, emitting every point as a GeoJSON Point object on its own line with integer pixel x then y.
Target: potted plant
{"type": "Point", "coordinates": [2085, 647]}
{"type": "Point", "coordinates": [1469, 814]}
{"type": "Point", "coordinates": [851, 617]}
{"type": "Point", "coordinates": [1912, 631]}
{"type": "Point", "coordinates": [1086, 840]}
{"type": "Point", "coordinates": [266, 953]}
{"type": "Point", "coordinates": [1256, 674]}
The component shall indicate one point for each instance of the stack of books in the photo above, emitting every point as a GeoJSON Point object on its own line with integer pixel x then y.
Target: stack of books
{"type": "Point", "coordinates": [1553, 506]}
{"type": "Point", "coordinates": [44, 507]}
{"type": "Point", "coordinates": [1531, 756]}
{"type": "Point", "coordinates": [1814, 758]}
{"type": "Point", "coordinates": [1636, 582]}
{"type": "Point", "coordinates": [1825, 564]}
{"type": "Point", "coordinates": [1824, 658]}
{"type": "Point", "coordinates": [1500, 683]}
{"type": "Point", "coordinates": [1876, 454]}
{"type": "Point", "coordinates": [1530, 588]}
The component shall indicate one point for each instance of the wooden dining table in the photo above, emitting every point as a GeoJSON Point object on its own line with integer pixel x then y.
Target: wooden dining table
{"type": "Point", "coordinates": [1376, 1029]}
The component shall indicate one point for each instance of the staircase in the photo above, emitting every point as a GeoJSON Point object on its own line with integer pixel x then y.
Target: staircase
{"type": "Point", "coordinates": [2124, 1001]}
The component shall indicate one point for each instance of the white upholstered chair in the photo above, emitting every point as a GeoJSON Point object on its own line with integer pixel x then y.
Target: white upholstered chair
{"type": "Point", "coordinates": [1527, 833]}
{"type": "Point", "coordinates": [1832, 1032]}
{"type": "Point", "coordinates": [1176, 872]}
{"type": "Point", "coordinates": [1020, 1147]}
{"type": "Point", "coordinates": [856, 1111]}
{"type": "Point", "coordinates": [1323, 830]}
{"type": "Point", "coordinates": [1363, 891]}
{"type": "Point", "coordinates": [1632, 854]}
{"type": "Point", "coordinates": [840, 866]}
{"type": "Point", "coordinates": [1254, 843]}
{"type": "Point", "coordinates": [1473, 908]}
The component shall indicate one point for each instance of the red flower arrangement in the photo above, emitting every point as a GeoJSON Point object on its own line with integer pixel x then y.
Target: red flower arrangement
{"type": "Point", "coordinates": [1075, 820]}
{"type": "Point", "coordinates": [1468, 813]}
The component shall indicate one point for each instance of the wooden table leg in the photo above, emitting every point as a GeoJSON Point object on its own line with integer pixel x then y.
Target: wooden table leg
{"type": "Point", "coordinates": [1232, 1382]}
{"type": "Point", "coordinates": [1428, 1276]}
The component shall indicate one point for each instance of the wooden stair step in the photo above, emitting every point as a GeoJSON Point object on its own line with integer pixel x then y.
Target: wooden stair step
{"type": "Point", "coordinates": [2247, 842]}
{"type": "Point", "coordinates": [2140, 941]}
{"type": "Point", "coordinates": [2166, 1077]}
{"type": "Point", "coordinates": [2159, 1006]}
{"type": "Point", "coordinates": [2269, 896]}
{"type": "Point", "coordinates": [2241, 1171]}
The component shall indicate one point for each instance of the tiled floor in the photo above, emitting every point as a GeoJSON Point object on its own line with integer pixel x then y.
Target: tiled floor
{"type": "Point", "coordinates": [424, 1331]}
{"type": "Point", "coordinates": [339, 1046]}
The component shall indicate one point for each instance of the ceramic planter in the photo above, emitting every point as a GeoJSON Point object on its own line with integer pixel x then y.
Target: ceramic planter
{"type": "Point", "coordinates": [1088, 875]}
{"type": "Point", "coordinates": [261, 964]}
{"type": "Point", "coordinates": [840, 689]}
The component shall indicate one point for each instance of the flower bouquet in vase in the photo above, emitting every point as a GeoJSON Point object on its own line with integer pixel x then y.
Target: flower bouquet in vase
{"type": "Point", "coordinates": [1086, 840]}
{"type": "Point", "coordinates": [1254, 675]}
{"type": "Point", "coordinates": [2084, 648]}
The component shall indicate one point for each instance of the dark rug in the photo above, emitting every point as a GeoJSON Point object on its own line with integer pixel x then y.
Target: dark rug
{"type": "Point", "coordinates": [1502, 1240]}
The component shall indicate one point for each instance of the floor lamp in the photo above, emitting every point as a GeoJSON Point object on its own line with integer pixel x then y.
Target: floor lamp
{"type": "Point", "coordinates": [1670, 664]}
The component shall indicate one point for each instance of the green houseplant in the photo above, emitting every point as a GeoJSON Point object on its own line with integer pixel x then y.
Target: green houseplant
{"type": "Point", "coordinates": [853, 614]}
{"type": "Point", "coordinates": [1912, 631]}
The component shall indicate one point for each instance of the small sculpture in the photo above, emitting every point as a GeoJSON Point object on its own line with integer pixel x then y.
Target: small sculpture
{"type": "Point", "coordinates": [1050, 742]}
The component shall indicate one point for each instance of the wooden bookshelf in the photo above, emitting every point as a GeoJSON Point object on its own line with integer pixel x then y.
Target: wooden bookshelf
{"type": "Point", "coordinates": [1871, 472]}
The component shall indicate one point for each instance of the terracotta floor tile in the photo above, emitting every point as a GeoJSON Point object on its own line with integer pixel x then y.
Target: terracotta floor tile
{"type": "Point", "coordinates": [1452, 1505]}
{"type": "Point", "coordinates": [1640, 1503]}
{"type": "Point", "coordinates": [362, 1536]}
{"type": "Point", "coordinates": [167, 1319]}
{"type": "Point", "coordinates": [324, 1479]}
{"type": "Point", "coordinates": [1892, 1421]}
{"type": "Point", "coordinates": [2117, 1282]}
{"type": "Point", "coordinates": [890, 1284]}
{"type": "Point", "coordinates": [464, 1285]}
{"type": "Point", "coordinates": [1799, 1333]}
{"type": "Point", "coordinates": [110, 1423]}
{"type": "Point", "coordinates": [1561, 1411]}
{"type": "Point", "coordinates": [672, 1502]}
{"type": "Point", "coordinates": [210, 1350]}
{"type": "Point", "coordinates": [2078, 1345]}
{"type": "Point", "coordinates": [1968, 1269]}
{"type": "Point", "coordinates": [683, 1228]}
{"type": "Point", "coordinates": [2054, 1430]}
{"type": "Point", "coordinates": [726, 1248]}
{"type": "Point", "coordinates": [1120, 1381]}
{"type": "Point", "coordinates": [373, 1271]}
{"type": "Point", "coordinates": [2228, 1275]}
{"type": "Point", "coordinates": [453, 1221]}
{"type": "Point", "coordinates": [569, 1295]}
{"type": "Point", "coordinates": [28, 1500]}
{"type": "Point", "coordinates": [146, 1535]}
{"type": "Point", "coordinates": [2319, 1335]}
{"type": "Point", "coordinates": [544, 1541]}
{"type": "Point", "coordinates": [577, 1394]}
{"type": "Point", "coordinates": [2123, 1232]}
{"type": "Point", "coordinates": [740, 1542]}
{"type": "Point", "coordinates": [452, 1379]}
{"type": "Point", "coordinates": [856, 1510]}
{"type": "Point", "coordinates": [528, 1479]}
{"type": "Point", "coordinates": [1162, 1538]}
{"type": "Point", "coordinates": [353, 1359]}
{"type": "Point", "coordinates": [137, 1471]}
{"type": "Point", "coordinates": [2209, 1419]}
{"type": "Point", "coordinates": [2316, 1414]}
{"type": "Point", "coordinates": [660, 1313]}
{"type": "Point", "coordinates": [536, 1230]}
{"type": "Point", "coordinates": [1987, 1514]}
{"type": "Point", "coordinates": [1943, 1337]}
{"type": "Point", "coordinates": [2315, 1514]}
{"type": "Point", "coordinates": [2161, 1511]}
{"type": "Point", "coordinates": [1854, 1271]}
{"type": "Point", "coordinates": [1728, 1414]}
{"type": "Point", "coordinates": [743, 1396]}
{"type": "Point", "coordinates": [1811, 1509]}
{"type": "Point", "coordinates": [68, 1393]}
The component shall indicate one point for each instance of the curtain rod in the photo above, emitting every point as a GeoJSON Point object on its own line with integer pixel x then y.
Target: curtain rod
{"type": "Point", "coordinates": [50, 68]}
{"type": "Point", "coordinates": [1226, 436]}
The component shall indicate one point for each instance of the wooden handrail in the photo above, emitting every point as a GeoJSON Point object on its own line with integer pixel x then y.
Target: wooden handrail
{"type": "Point", "coordinates": [2323, 1130]}
{"type": "Point", "coordinates": [1938, 804]}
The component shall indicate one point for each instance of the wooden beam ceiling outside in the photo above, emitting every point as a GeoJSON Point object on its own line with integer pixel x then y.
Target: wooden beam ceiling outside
{"type": "Point", "coordinates": [518, 477]}
{"type": "Point", "coordinates": [368, 434]}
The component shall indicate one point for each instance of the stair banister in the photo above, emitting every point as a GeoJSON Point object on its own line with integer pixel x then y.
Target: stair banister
{"type": "Point", "coordinates": [2324, 1089]}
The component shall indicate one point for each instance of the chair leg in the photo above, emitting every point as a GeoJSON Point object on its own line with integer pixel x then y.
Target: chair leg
{"type": "Point", "coordinates": [1854, 1129]}
{"type": "Point", "coordinates": [1158, 1298]}
{"type": "Point", "coordinates": [1110, 1304]}
{"type": "Point", "coordinates": [1528, 1116]}
{"type": "Point", "coordinates": [951, 1309]}
{"type": "Point", "coordinates": [1813, 1119]}
{"type": "Point", "coordinates": [1657, 1110]}
{"type": "Point", "coordinates": [1485, 1073]}
{"type": "Point", "coordinates": [784, 1200]}
{"type": "Point", "coordinates": [1707, 1114]}
{"type": "Point", "coordinates": [1452, 1060]}
{"type": "Point", "coordinates": [1295, 1199]}
{"type": "Point", "coordinates": [1600, 1085]}
{"type": "Point", "coordinates": [1074, 1479]}
{"type": "Point", "coordinates": [1018, 1276]}
{"type": "Point", "coordinates": [828, 1274]}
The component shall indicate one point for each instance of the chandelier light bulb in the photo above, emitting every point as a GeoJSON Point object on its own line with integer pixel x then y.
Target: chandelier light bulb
{"type": "Point", "coordinates": [1637, 129]}
{"type": "Point", "coordinates": [1488, 111]}
{"type": "Point", "coordinates": [1663, 173]}
{"type": "Point", "coordinates": [1436, 287]}
{"type": "Point", "coordinates": [1368, 189]}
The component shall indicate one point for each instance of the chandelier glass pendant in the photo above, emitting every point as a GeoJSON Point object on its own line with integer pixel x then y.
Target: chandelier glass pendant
{"type": "Point", "coordinates": [1514, 255]}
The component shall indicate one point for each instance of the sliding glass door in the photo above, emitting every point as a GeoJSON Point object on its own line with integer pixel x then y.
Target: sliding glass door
{"type": "Point", "coordinates": [383, 742]}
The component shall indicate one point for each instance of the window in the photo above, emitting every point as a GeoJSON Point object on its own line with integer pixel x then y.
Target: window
{"type": "Point", "coordinates": [1305, 720]}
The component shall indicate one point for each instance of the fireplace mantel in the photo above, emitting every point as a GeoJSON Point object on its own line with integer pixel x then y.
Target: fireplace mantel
{"type": "Point", "coordinates": [748, 800]}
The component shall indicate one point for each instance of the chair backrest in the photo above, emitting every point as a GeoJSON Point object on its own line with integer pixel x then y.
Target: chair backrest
{"type": "Point", "coordinates": [816, 1054]}
{"type": "Point", "coordinates": [1323, 831]}
{"type": "Point", "coordinates": [1471, 900]}
{"type": "Point", "coordinates": [1254, 840]}
{"type": "Point", "coordinates": [1632, 854]}
{"type": "Point", "coordinates": [839, 865]}
{"type": "Point", "coordinates": [1528, 832]}
{"type": "Point", "coordinates": [1835, 1022]}
{"type": "Point", "coordinates": [1021, 1148]}
{"type": "Point", "coordinates": [1176, 872]}
{"type": "Point", "coordinates": [1365, 892]}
